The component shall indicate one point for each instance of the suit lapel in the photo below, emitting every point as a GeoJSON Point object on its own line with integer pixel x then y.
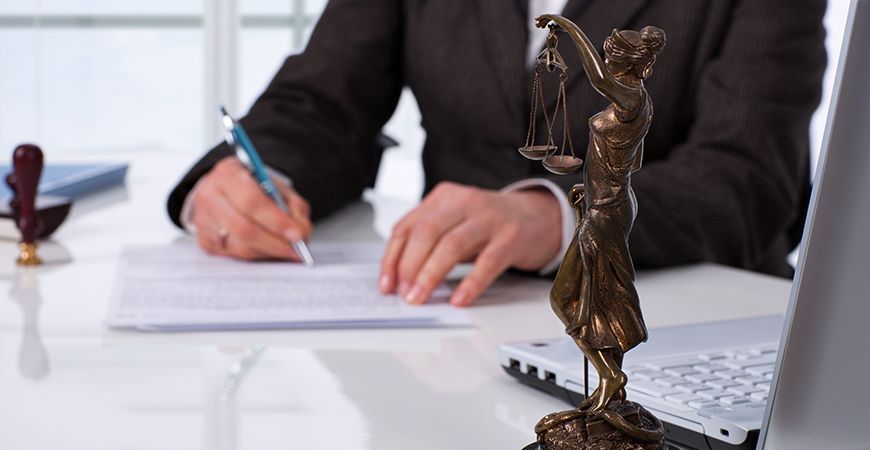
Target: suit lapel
{"type": "Point", "coordinates": [503, 32]}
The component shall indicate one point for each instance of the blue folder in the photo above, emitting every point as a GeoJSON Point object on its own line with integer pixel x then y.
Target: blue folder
{"type": "Point", "coordinates": [73, 180]}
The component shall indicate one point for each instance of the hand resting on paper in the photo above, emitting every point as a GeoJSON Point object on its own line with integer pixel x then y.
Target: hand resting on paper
{"type": "Point", "coordinates": [456, 223]}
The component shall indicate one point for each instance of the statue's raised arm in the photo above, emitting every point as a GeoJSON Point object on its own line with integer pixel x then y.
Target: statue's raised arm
{"type": "Point", "coordinates": [627, 98]}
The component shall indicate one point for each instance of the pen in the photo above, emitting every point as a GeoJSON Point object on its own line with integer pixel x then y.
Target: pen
{"type": "Point", "coordinates": [247, 154]}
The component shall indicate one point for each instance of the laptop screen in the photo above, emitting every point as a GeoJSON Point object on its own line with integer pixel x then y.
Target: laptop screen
{"type": "Point", "coordinates": [819, 396]}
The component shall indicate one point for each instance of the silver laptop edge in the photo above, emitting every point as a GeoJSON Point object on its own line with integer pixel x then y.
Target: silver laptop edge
{"type": "Point", "coordinates": [846, 135]}
{"type": "Point", "coordinates": [808, 228]}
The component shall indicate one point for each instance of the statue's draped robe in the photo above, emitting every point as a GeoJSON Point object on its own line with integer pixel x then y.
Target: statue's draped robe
{"type": "Point", "coordinates": [604, 309]}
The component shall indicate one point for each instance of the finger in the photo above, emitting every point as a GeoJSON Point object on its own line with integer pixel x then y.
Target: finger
{"type": "Point", "coordinates": [421, 241]}
{"type": "Point", "coordinates": [209, 227]}
{"type": "Point", "coordinates": [246, 197]}
{"type": "Point", "coordinates": [207, 242]}
{"type": "Point", "coordinates": [492, 262]}
{"type": "Point", "coordinates": [298, 205]}
{"type": "Point", "coordinates": [458, 244]}
{"type": "Point", "coordinates": [395, 245]}
{"type": "Point", "coordinates": [248, 240]}
{"type": "Point", "coordinates": [206, 223]}
{"type": "Point", "coordinates": [401, 235]}
{"type": "Point", "coordinates": [301, 211]}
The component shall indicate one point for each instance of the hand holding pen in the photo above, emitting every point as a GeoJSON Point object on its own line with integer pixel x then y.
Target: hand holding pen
{"type": "Point", "coordinates": [250, 158]}
{"type": "Point", "coordinates": [233, 216]}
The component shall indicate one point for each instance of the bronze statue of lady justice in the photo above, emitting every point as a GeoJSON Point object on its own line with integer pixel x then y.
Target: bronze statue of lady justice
{"type": "Point", "coordinates": [594, 293]}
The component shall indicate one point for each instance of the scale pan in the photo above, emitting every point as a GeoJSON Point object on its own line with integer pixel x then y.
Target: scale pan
{"type": "Point", "coordinates": [537, 152]}
{"type": "Point", "coordinates": [562, 164]}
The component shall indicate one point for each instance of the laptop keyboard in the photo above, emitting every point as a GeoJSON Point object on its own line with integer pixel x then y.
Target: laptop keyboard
{"type": "Point", "coordinates": [708, 380]}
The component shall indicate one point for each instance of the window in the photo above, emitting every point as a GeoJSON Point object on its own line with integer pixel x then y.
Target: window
{"type": "Point", "coordinates": [93, 76]}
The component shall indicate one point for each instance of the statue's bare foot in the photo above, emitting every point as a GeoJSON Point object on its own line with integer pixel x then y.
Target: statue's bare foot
{"type": "Point", "coordinates": [589, 401]}
{"type": "Point", "coordinates": [610, 388]}
{"type": "Point", "coordinates": [621, 395]}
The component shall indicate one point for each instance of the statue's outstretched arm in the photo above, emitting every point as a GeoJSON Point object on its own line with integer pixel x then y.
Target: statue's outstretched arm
{"type": "Point", "coordinates": [626, 97]}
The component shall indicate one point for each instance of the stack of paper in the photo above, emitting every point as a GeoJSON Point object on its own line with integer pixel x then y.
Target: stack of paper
{"type": "Point", "coordinates": [180, 288]}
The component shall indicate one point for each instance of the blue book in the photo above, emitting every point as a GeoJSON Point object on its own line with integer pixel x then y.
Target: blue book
{"type": "Point", "coordinates": [73, 180]}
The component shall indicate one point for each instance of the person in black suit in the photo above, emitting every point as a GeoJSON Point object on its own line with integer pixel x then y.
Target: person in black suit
{"type": "Point", "coordinates": [726, 162]}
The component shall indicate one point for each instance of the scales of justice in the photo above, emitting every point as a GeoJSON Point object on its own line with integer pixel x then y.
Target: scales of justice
{"type": "Point", "coordinates": [594, 293]}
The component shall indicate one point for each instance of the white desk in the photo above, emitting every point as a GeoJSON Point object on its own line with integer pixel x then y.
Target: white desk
{"type": "Point", "coordinates": [67, 383]}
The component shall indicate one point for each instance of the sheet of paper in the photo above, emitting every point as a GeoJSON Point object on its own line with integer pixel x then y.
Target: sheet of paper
{"type": "Point", "coordinates": [180, 288]}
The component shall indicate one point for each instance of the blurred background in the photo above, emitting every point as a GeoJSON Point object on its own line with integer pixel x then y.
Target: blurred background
{"type": "Point", "coordinates": [99, 77]}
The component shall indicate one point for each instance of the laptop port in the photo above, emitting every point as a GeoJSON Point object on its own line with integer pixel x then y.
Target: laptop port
{"type": "Point", "coordinates": [532, 370]}
{"type": "Point", "coordinates": [724, 432]}
{"type": "Point", "coordinates": [550, 376]}
{"type": "Point", "coordinates": [514, 364]}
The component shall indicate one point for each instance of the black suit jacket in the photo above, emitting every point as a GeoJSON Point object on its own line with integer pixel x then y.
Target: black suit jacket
{"type": "Point", "coordinates": [726, 168]}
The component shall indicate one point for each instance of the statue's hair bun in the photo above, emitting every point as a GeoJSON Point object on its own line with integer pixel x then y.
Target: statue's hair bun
{"type": "Point", "coordinates": [653, 39]}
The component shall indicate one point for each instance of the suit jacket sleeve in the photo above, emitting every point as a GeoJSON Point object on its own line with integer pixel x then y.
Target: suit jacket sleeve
{"type": "Point", "coordinates": [319, 119]}
{"type": "Point", "coordinates": [735, 186]}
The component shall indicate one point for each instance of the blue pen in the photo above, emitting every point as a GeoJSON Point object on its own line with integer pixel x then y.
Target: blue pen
{"type": "Point", "coordinates": [247, 154]}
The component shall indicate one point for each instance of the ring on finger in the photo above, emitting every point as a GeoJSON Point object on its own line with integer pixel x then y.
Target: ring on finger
{"type": "Point", "coordinates": [223, 235]}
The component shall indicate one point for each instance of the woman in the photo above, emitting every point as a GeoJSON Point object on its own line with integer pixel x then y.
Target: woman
{"type": "Point", "coordinates": [594, 293]}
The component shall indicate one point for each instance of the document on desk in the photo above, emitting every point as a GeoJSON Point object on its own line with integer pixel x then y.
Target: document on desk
{"type": "Point", "coordinates": [180, 288]}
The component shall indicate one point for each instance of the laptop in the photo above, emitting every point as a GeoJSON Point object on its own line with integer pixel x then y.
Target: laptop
{"type": "Point", "coordinates": [793, 382]}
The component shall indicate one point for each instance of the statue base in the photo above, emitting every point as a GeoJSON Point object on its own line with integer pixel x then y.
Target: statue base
{"type": "Point", "coordinates": [622, 426]}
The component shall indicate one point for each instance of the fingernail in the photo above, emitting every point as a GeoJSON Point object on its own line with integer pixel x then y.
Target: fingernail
{"type": "Point", "coordinates": [459, 297]}
{"type": "Point", "coordinates": [403, 289]}
{"type": "Point", "coordinates": [416, 295]}
{"type": "Point", "coordinates": [292, 235]}
{"type": "Point", "coordinates": [385, 283]}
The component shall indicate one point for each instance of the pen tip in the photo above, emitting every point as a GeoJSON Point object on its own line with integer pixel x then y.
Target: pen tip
{"type": "Point", "coordinates": [223, 110]}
